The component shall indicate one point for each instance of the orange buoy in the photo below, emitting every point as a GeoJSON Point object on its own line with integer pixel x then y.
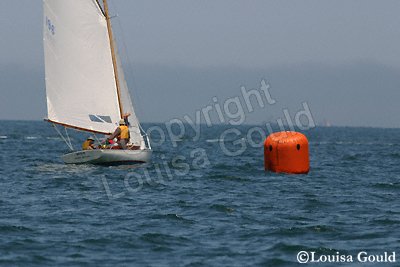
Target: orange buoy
{"type": "Point", "coordinates": [286, 152]}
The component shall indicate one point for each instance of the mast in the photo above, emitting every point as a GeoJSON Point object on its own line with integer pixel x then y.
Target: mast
{"type": "Point", "coordinates": [114, 60]}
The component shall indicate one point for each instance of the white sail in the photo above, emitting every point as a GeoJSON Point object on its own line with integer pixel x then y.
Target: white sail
{"type": "Point", "coordinates": [80, 82]}
{"type": "Point", "coordinates": [127, 106]}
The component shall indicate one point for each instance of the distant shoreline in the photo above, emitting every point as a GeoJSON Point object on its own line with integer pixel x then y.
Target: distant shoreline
{"type": "Point", "coordinates": [221, 124]}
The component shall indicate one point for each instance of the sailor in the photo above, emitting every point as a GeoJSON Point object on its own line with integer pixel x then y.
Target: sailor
{"type": "Point", "coordinates": [122, 134]}
{"type": "Point", "coordinates": [125, 116]}
{"type": "Point", "coordinates": [88, 144]}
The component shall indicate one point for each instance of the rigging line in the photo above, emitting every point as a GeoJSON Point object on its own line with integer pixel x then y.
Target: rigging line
{"type": "Point", "coordinates": [145, 135]}
{"type": "Point", "coordinates": [124, 50]}
{"type": "Point", "coordinates": [69, 139]}
{"type": "Point", "coordinates": [148, 142]}
{"type": "Point", "coordinates": [60, 134]}
{"type": "Point", "coordinates": [97, 139]}
{"type": "Point", "coordinates": [99, 6]}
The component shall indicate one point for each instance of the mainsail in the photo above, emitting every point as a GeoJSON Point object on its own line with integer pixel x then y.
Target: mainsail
{"type": "Point", "coordinates": [80, 80]}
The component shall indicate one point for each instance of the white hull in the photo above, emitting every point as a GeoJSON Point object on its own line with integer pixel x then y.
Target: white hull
{"type": "Point", "coordinates": [108, 156]}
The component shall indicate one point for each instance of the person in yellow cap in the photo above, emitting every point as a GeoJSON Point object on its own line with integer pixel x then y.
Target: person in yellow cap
{"type": "Point", "coordinates": [122, 134]}
{"type": "Point", "coordinates": [88, 144]}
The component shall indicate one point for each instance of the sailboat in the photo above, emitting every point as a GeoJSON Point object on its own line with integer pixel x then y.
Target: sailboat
{"type": "Point", "coordinates": [85, 85]}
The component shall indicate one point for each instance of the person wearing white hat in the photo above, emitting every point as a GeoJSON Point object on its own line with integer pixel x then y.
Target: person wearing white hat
{"type": "Point", "coordinates": [122, 134]}
{"type": "Point", "coordinates": [88, 144]}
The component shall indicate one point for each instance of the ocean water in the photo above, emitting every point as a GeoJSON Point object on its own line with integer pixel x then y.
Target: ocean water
{"type": "Point", "coordinates": [196, 204]}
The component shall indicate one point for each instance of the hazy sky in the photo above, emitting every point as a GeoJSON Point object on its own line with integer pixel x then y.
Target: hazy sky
{"type": "Point", "coordinates": [193, 50]}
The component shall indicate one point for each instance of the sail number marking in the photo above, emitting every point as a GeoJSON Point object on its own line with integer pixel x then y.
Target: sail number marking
{"type": "Point", "coordinates": [50, 26]}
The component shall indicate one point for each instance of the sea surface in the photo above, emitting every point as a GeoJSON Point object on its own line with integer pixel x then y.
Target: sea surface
{"type": "Point", "coordinates": [197, 204]}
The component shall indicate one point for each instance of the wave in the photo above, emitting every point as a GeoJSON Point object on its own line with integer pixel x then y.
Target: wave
{"type": "Point", "coordinates": [172, 216]}
{"type": "Point", "coordinates": [14, 228]}
{"type": "Point", "coordinates": [387, 185]}
{"type": "Point", "coordinates": [395, 155]}
{"type": "Point", "coordinates": [31, 137]}
{"type": "Point", "coordinates": [53, 138]}
{"type": "Point", "coordinates": [164, 239]}
{"type": "Point", "coordinates": [228, 177]}
{"type": "Point", "coordinates": [222, 208]}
